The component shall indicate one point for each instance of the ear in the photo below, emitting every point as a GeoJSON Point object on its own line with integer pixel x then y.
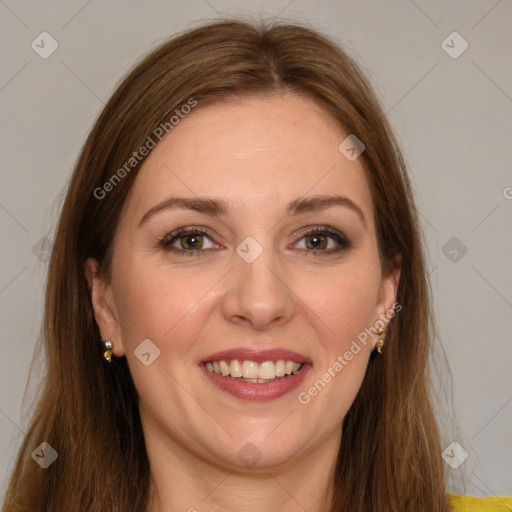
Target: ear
{"type": "Point", "coordinates": [388, 291]}
{"type": "Point", "coordinates": [104, 306]}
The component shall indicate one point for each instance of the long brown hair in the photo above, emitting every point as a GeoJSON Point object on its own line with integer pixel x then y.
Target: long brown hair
{"type": "Point", "coordinates": [389, 458]}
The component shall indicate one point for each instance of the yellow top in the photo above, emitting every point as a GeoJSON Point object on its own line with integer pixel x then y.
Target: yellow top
{"type": "Point", "coordinates": [488, 504]}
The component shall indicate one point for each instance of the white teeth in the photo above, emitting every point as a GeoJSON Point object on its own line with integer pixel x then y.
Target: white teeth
{"type": "Point", "coordinates": [280, 368]}
{"type": "Point", "coordinates": [267, 370]}
{"type": "Point", "coordinates": [224, 368]}
{"type": "Point", "coordinates": [252, 371]}
{"type": "Point", "coordinates": [235, 369]}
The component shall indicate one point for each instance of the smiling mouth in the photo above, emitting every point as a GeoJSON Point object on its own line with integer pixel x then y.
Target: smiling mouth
{"type": "Point", "coordinates": [252, 371]}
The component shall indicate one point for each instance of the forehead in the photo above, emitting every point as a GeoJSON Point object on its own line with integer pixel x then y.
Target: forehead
{"type": "Point", "coordinates": [256, 152]}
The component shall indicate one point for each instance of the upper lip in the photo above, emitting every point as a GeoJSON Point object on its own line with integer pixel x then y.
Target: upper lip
{"type": "Point", "coordinates": [258, 356]}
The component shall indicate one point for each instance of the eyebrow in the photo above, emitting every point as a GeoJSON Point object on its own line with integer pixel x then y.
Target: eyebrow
{"type": "Point", "coordinates": [219, 207]}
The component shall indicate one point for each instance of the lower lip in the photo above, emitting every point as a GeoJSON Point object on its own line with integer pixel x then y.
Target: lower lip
{"type": "Point", "coordinates": [254, 391]}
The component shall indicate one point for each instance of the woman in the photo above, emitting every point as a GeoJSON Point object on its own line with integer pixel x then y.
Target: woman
{"type": "Point", "coordinates": [237, 313]}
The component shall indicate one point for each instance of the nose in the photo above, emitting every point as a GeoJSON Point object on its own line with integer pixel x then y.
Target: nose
{"type": "Point", "coordinates": [259, 293]}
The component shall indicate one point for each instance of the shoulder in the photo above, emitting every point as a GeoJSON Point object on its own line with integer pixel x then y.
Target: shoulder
{"type": "Point", "coordinates": [488, 504]}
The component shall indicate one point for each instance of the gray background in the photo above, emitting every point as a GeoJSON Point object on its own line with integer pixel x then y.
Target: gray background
{"type": "Point", "coordinates": [452, 117]}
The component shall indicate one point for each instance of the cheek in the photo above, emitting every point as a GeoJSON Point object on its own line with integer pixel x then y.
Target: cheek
{"type": "Point", "coordinates": [343, 302]}
{"type": "Point", "coordinates": [160, 305]}
{"type": "Point", "coordinates": [339, 311]}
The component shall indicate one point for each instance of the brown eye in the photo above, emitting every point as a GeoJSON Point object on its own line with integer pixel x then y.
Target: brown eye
{"type": "Point", "coordinates": [190, 241]}
{"type": "Point", "coordinates": [193, 241]}
{"type": "Point", "coordinates": [324, 241]}
{"type": "Point", "coordinates": [316, 242]}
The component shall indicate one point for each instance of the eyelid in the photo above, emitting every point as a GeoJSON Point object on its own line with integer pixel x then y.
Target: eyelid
{"type": "Point", "coordinates": [172, 236]}
{"type": "Point", "coordinates": [339, 237]}
{"type": "Point", "coordinates": [319, 228]}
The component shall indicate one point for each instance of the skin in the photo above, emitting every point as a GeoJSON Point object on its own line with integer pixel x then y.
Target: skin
{"type": "Point", "coordinates": [258, 153]}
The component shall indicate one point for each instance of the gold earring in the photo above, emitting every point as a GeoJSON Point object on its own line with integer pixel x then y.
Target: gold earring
{"type": "Point", "coordinates": [108, 351]}
{"type": "Point", "coordinates": [380, 343]}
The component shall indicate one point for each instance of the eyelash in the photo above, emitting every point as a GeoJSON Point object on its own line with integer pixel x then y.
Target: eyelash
{"type": "Point", "coordinates": [166, 241]}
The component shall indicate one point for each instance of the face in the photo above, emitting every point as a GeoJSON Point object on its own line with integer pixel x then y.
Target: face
{"type": "Point", "coordinates": [276, 260]}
